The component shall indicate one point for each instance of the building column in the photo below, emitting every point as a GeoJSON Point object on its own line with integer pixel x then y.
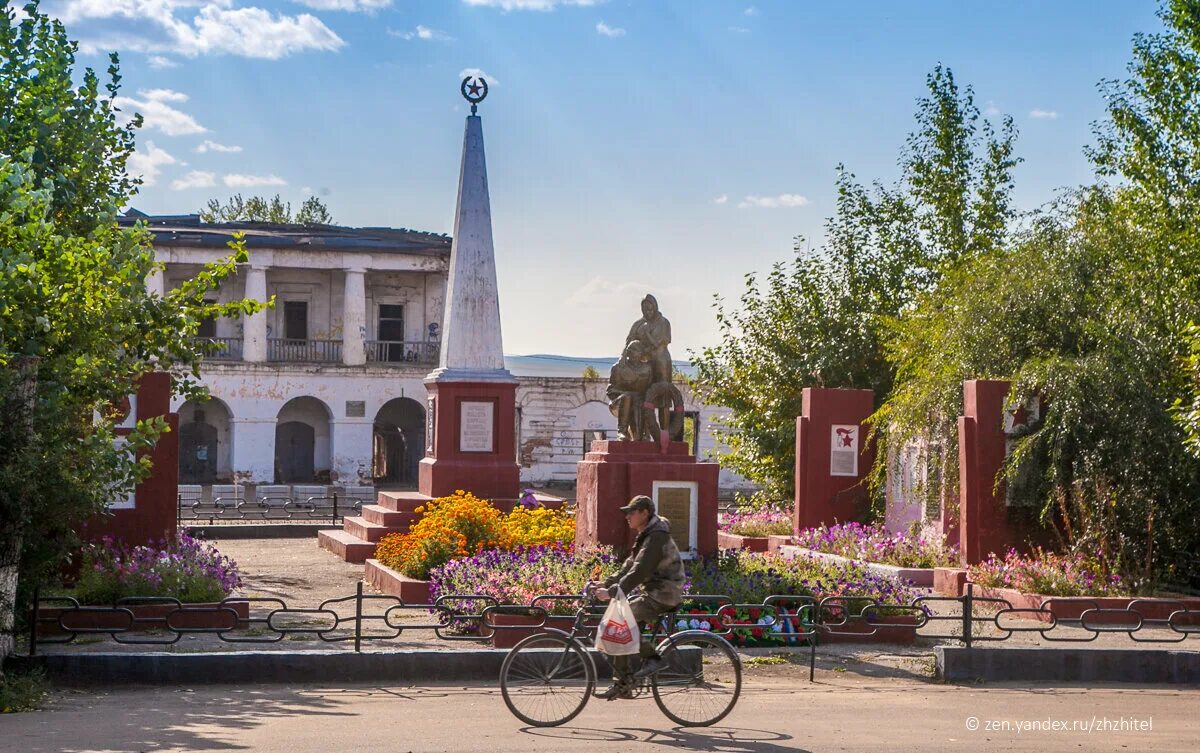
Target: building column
{"type": "Point", "coordinates": [354, 318]}
{"type": "Point", "coordinates": [254, 333]}
{"type": "Point", "coordinates": [253, 450]}
{"type": "Point", "coordinates": [351, 459]}
{"type": "Point", "coordinates": [154, 282]}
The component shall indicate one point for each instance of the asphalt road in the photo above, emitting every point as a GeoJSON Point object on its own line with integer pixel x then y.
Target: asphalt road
{"type": "Point", "coordinates": [775, 714]}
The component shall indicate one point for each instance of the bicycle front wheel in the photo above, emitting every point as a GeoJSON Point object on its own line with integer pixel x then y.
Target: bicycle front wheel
{"type": "Point", "coordinates": [546, 679]}
{"type": "Point", "coordinates": [702, 679]}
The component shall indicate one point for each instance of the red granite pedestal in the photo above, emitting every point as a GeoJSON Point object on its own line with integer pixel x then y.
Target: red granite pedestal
{"type": "Point", "coordinates": [473, 442]}
{"type": "Point", "coordinates": [684, 490]}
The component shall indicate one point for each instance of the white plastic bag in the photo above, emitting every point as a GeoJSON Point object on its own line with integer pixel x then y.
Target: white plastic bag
{"type": "Point", "coordinates": [618, 634]}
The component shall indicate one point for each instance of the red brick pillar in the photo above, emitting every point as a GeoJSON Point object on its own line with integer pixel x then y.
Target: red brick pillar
{"type": "Point", "coordinates": [983, 512]}
{"type": "Point", "coordinates": [833, 457]}
{"type": "Point", "coordinates": [473, 442]}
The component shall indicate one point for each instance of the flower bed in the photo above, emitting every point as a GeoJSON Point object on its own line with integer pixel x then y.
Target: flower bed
{"type": "Point", "coordinates": [748, 578]}
{"type": "Point", "coordinates": [520, 575]}
{"type": "Point", "coordinates": [758, 524]}
{"type": "Point", "coordinates": [733, 541]}
{"type": "Point", "coordinates": [463, 525]}
{"type": "Point", "coordinates": [1045, 572]}
{"type": "Point", "coordinates": [915, 576]}
{"type": "Point", "coordinates": [187, 569]}
{"type": "Point", "coordinates": [868, 543]}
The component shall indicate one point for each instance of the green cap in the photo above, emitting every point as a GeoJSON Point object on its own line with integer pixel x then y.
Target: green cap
{"type": "Point", "coordinates": [640, 502]}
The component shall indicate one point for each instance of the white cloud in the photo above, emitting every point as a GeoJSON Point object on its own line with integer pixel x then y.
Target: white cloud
{"type": "Point", "coordinates": [368, 6]}
{"type": "Point", "coordinates": [157, 114]}
{"type": "Point", "coordinates": [739, 29]}
{"type": "Point", "coordinates": [773, 202]}
{"type": "Point", "coordinates": [723, 198]}
{"type": "Point", "coordinates": [214, 27]}
{"type": "Point", "coordinates": [149, 163]}
{"type": "Point", "coordinates": [235, 180]}
{"type": "Point", "coordinates": [751, 11]}
{"type": "Point", "coordinates": [212, 146]}
{"type": "Point", "coordinates": [194, 179]}
{"type": "Point", "coordinates": [990, 109]}
{"type": "Point", "coordinates": [158, 62]}
{"type": "Point", "coordinates": [527, 4]}
{"type": "Point", "coordinates": [163, 95]}
{"type": "Point", "coordinates": [478, 73]}
{"type": "Point", "coordinates": [1043, 114]}
{"type": "Point", "coordinates": [609, 31]}
{"type": "Point", "coordinates": [422, 32]}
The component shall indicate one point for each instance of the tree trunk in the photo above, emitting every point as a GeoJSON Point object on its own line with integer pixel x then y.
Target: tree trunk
{"type": "Point", "coordinates": [17, 418]}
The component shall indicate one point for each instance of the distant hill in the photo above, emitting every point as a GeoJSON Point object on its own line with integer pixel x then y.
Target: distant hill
{"type": "Point", "coordinates": [548, 365]}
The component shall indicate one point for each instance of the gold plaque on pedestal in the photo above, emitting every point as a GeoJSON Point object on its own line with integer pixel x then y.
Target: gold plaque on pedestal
{"type": "Point", "coordinates": [675, 503]}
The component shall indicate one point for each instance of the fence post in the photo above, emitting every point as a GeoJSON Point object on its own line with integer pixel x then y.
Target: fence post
{"type": "Point", "coordinates": [358, 619]}
{"type": "Point", "coordinates": [968, 605]}
{"type": "Point", "coordinates": [33, 621]}
{"type": "Point", "coordinates": [334, 521]}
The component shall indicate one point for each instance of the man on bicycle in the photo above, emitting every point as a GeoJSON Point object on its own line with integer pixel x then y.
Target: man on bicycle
{"type": "Point", "coordinates": [655, 565]}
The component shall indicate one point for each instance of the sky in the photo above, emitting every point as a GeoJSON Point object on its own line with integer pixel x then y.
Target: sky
{"type": "Point", "coordinates": [633, 146]}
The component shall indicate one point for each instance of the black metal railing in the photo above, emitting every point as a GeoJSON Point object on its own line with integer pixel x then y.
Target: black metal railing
{"type": "Point", "coordinates": [332, 507]}
{"type": "Point", "coordinates": [396, 351]}
{"type": "Point", "coordinates": [316, 351]}
{"type": "Point", "coordinates": [230, 348]}
{"type": "Point", "coordinates": [795, 620]}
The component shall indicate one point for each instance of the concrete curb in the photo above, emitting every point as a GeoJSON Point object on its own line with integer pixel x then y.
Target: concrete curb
{"type": "Point", "coordinates": [265, 667]}
{"type": "Point", "coordinates": [1148, 666]}
{"type": "Point", "coordinates": [258, 530]}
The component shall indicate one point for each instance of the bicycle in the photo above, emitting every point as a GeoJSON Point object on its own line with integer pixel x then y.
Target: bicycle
{"type": "Point", "coordinates": [548, 678]}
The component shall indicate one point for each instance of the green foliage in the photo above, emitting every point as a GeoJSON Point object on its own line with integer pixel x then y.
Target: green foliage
{"type": "Point", "coordinates": [261, 209]}
{"type": "Point", "coordinates": [819, 321]}
{"type": "Point", "coordinates": [590, 372]}
{"type": "Point", "coordinates": [76, 320]}
{"type": "Point", "coordinates": [22, 691]}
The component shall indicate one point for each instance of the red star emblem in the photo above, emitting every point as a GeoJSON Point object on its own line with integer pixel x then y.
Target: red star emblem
{"type": "Point", "coordinates": [473, 88]}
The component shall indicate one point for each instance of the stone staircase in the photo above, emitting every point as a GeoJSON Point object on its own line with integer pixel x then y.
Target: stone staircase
{"type": "Point", "coordinates": [393, 512]}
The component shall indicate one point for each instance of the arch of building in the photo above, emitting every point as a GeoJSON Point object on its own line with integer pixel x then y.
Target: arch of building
{"type": "Point", "coordinates": [398, 441]}
{"type": "Point", "coordinates": [205, 442]}
{"type": "Point", "coordinates": [303, 442]}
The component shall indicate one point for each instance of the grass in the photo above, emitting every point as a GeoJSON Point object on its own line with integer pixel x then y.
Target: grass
{"type": "Point", "coordinates": [22, 691]}
{"type": "Point", "coordinates": [755, 661]}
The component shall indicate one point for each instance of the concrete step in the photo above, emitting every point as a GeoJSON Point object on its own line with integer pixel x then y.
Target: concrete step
{"type": "Point", "coordinates": [350, 548]}
{"type": "Point", "coordinates": [372, 532]}
{"type": "Point", "coordinates": [380, 515]}
{"type": "Point", "coordinates": [401, 501]}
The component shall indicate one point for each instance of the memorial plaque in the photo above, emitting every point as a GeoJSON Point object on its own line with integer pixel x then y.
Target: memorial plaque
{"type": "Point", "coordinates": [356, 408]}
{"type": "Point", "coordinates": [675, 504]}
{"type": "Point", "coordinates": [843, 450]}
{"type": "Point", "coordinates": [477, 426]}
{"type": "Point", "coordinates": [430, 422]}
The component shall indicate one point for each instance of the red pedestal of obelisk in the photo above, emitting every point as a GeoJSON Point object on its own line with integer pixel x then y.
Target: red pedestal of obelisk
{"type": "Point", "coordinates": [473, 442]}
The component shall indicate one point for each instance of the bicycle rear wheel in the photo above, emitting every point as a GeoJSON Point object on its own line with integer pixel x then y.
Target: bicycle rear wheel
{"type": "Point", "coordinates": [702, 679]}
{"type": "Point", "coordinates": [546, 679]}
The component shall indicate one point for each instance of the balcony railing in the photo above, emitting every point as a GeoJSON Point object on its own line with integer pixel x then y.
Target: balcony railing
{"type": "Point", "coordinates": [395, 351]}
{"type": "Point", "coordinates": [230, 348]}
{"type": "Point", "coordinates": [319, 351]}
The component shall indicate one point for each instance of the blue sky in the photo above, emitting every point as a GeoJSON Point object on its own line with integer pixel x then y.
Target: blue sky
{"type": "Point", "coordinates": [632, 146]}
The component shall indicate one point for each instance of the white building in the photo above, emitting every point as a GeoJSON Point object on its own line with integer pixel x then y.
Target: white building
{"type": "Point", "coordinates": [328, 386]}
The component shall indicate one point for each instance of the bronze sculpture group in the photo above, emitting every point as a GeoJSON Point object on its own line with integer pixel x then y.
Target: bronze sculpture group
{"type": "Point", "coordinates": [640, 392]}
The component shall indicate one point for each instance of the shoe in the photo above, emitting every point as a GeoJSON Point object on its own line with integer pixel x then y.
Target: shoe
{"type": "Point", "coordinates": [651, 666]}
{"type": "Point", "coordinates": [617, 690]}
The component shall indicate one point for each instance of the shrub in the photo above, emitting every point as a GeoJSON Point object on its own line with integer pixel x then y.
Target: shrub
{"type": "Point", "coordinates": [187, 569]}
{"type": "Point", "coordinates": [459, 525]}
{"type": "Point", "coordinates": [758, 523]}
{"type": "Point", "coordinates": [538, 526]}
{"type": "Point", "coordinates": [874, 544]}
{"type": "Point", "coordinates": [1046, 573]}
{"type": "Point", "coordinates": [519, 575]}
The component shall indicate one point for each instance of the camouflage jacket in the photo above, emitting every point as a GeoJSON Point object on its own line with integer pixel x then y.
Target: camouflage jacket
{"type": "Point", "coordinates": [654, 564]}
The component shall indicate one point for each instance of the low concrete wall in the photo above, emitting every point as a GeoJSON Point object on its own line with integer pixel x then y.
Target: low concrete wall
{"type": "Point", "coordinates": [1147, 666]}
{"type": "Point", "coordinates": [163, 668]}
{"type": "Point", "coordinates": [257, 530]}
{"type": "Point", "coordinates": [920, 576]}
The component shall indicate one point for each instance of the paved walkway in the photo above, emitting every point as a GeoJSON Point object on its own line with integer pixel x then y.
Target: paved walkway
{"type": "Point", "coordinates": [775, 714]}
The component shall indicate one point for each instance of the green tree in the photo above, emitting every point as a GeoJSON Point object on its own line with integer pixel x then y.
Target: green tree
{"type": "Point", "coordinates": [261, 209]}
{"type": "Point", "coordinates": [77, 325]}
{"type": "Point", "coordinates": [819, 321]}
{"type": "Point", "coordinates": [590, 372]}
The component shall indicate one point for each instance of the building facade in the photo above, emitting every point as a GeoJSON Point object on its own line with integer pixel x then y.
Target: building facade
{"type": "Point", "coordinates": [328, 386]}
